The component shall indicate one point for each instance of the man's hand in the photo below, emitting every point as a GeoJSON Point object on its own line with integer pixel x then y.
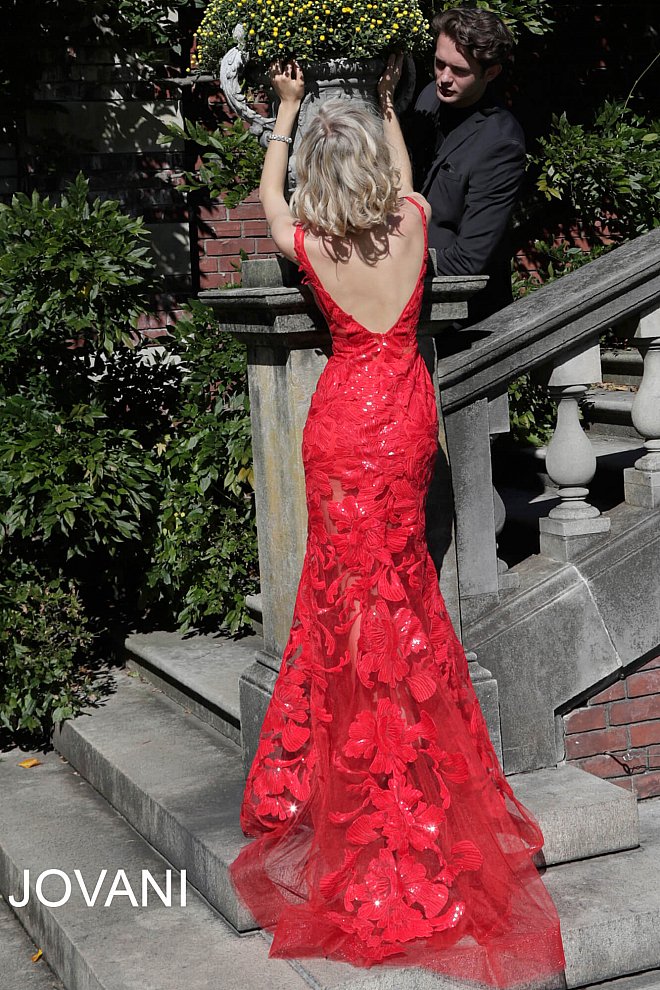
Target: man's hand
{"type": "Point", "coordinates": [389, 80]}
{"type": "Point", "coordinates": [288, 81]}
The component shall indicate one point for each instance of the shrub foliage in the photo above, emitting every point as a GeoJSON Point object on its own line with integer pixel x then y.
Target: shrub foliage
{"type": "Point", "coordinates": [125, 466]}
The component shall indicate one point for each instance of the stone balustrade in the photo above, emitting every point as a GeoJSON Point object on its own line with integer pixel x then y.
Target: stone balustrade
{"type": "Point", "coordinates": [552, 333]}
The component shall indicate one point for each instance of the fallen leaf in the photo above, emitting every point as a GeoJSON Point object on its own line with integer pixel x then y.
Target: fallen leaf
{"type": "Point", "coordinates": [30, 763]}
{"type": "Point", "coordinates": [37, 956]}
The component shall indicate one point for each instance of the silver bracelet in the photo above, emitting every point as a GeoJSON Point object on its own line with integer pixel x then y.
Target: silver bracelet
{"type": "Point", "coordinates": [280, 137]}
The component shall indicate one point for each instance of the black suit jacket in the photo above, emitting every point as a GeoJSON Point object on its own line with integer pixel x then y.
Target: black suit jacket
{"type": "Point", "coordinates": [470, 172]}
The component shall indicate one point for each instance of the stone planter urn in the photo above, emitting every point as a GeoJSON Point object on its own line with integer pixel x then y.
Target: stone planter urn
{"type": "Point", "coordinates": [353, 79]}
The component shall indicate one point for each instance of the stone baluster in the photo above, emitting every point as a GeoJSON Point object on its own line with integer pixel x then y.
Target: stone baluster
{"type": "Point", "coordinates": [574, 524]}
{"type": "Point", "coordinates": [642, 482]}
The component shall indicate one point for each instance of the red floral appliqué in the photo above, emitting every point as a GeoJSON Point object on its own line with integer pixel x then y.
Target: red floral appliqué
{"type": "Point", "coordinates": [385, 831]}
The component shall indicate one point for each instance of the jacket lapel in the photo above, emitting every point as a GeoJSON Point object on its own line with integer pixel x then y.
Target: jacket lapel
{"type": "Point", "coordinates": [453, 141]}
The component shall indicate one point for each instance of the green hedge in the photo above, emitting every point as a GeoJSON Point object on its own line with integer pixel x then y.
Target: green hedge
{"type": "Point", "coordinates": [125, 465]}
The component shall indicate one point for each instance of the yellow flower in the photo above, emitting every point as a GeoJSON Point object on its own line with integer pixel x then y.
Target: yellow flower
{"type": "Point", "coordinates": [321, 37]}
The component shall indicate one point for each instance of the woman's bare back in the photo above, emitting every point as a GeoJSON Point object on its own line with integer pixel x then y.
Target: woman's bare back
{"type": "Point", "coordinates": [372, 276]}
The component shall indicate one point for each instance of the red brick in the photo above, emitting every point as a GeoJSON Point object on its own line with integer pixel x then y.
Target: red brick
{"type": "Point", "coordinates": [585, 719]}
{"type": "Point", "coordinates": [208, 264]}
{"type": "Point", "coordinates": [652, 664]}
{"type": "Point", "coordinates": [647, 785]}
{"type": "Point", "coordinates": [639, 710]}
{"type": "Point", "coordinates": [216, 212]}
{"type": "Point", "coordinates": [266, 245]}
{"type": "Point", "coordinates": [593, 743]}
{"type": "Point", "coordinates": [613, 693]}
{"type": "Point", "coordinates": [230, 246]}
{"type": "Point", "coordinates": [645, 734]}
{"type": "Point", "coordinates": [644, 682]}
{"type": "Point", "coordinates": [255, 228]}
{"type": "Point", "coordinates": [247, 211]}
{"type": "Point", "coordinates": [624, 782]}
{"type": "Point", "coordinates": [229, 263]}
{"type": "Point", "coordinates": [220, 228]}
{"type": "Point", "coordinates": [601, 766]}
{"type": "Point", "coordinates": [215, 280]}
{"type": "Point", "coordinates": [654, 757]}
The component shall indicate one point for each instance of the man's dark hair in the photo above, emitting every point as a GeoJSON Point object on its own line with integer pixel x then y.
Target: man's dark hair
{"type": "Point", "coordinates": [476, 32]}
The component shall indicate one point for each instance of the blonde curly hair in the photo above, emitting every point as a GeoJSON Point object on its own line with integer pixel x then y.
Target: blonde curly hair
{"type": "Point", "coordinates": [346, 180]}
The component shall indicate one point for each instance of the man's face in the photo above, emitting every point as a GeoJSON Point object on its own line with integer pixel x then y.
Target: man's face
{"type": "Point", "coordinates": [460, 80]}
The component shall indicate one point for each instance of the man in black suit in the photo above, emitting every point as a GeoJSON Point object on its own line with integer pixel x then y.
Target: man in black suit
{"type": "Point", "coordinates": [469, 154]}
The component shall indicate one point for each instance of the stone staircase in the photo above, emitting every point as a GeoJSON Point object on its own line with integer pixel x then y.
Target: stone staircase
{"type": "Point", "coordinates": [152, 780]}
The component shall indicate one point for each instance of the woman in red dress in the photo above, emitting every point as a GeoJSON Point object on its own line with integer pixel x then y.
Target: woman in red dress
{"type": "Point", "coordinates": [384, 829]}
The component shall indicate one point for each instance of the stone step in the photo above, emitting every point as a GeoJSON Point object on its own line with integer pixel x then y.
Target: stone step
{"type": "Point", "coordinates": [581, 815]}
{"type": "Point", "coordinates": [640, 981]}
{"type": "Point", "coordinates": [609, 906]}
{"type": "Point", "coordinates": [622, 367]}
{"type": "Point", "coordinates": [176, 779]}
{"type": "Point", "coordinates": [180, 784]}
{"type": "Point", "coordinates": [17, 971]}
{"type": "Point", "coordinates": [200, 672]}
{"type": "Point", "coordinates": [608, 411]}
{"type": "Point", "coordinates": [55, 820]}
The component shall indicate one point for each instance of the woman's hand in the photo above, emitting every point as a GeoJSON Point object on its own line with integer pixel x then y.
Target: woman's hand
{"type": "Point", "coordinates": [288, 81]}
{"type": "Point", "coordinates": [389, 80]}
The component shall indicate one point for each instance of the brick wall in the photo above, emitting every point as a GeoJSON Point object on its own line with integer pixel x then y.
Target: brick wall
{"type": "Point", "coordinates": [616, 734]}
{"type": "Point", "coordinates": [222, 234]}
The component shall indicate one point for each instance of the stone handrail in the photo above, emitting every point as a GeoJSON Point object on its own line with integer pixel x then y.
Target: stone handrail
{"type": "Point", "coordinates": [539, 329]}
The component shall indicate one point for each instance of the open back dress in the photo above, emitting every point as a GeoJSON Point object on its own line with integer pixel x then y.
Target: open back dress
{"type": "Point", "coordinates": [385, 832]}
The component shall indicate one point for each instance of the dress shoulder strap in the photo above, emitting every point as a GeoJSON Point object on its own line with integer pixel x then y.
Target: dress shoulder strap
{"type": "Point", "coordinates": [419, 206]}
{"type": "Point", "coordinates": [299, 243]}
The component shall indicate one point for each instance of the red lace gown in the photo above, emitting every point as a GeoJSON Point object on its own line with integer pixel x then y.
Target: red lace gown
{"type": "Point", "coordinates": [385, 831]}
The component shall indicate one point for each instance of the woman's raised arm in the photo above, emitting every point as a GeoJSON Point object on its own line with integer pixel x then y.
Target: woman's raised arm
{"type": "Point", "coordinates": [386, 87]}
{"type": "Point", "coordinates": [289, 84]}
